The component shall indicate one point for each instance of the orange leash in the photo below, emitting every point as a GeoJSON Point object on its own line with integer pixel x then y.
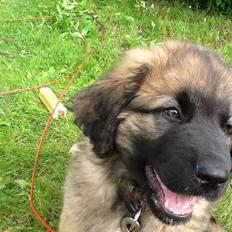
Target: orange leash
{"type": "Point", "coordinates": [34, 173]}
{"type": "Point", "coordinates": [32, 88]}
{"type": "Point", "coordinates": [42, 139]}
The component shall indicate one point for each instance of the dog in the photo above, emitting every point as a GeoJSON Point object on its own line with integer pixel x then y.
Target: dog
{"type": "Point", "coordinates": [156, 152]}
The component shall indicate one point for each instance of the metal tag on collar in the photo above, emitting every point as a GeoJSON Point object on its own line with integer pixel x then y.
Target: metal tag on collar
{"type": "Point", "coordinates": [130, 224]}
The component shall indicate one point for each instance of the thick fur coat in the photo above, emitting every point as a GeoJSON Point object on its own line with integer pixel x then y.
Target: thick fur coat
{"type": "Point", "coordinates": [161, 118]}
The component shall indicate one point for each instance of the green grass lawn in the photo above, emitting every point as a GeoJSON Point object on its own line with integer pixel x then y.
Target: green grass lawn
{"type": "Point", "coordinates": [38, 51]}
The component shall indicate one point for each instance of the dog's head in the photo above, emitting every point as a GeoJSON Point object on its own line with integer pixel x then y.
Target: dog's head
{"type": "Point", "coordinates": [166, 112]}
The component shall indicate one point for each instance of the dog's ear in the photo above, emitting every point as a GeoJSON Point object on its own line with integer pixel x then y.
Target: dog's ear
{"type": "Point", "coordinates": [97, 107]}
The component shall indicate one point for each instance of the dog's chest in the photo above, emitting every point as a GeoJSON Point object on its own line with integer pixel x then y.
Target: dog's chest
{"type": "Point", "coordinates": [152, 225]}
{"type": "Point", "coordinates": [112, 222]}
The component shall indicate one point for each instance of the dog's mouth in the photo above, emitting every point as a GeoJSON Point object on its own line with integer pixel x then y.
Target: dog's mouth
{"type": "Point", "coordinates": [168, 206]}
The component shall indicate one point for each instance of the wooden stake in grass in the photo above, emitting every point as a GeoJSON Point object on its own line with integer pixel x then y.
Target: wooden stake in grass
{"type": "Point", "coordinates": [50, 100]}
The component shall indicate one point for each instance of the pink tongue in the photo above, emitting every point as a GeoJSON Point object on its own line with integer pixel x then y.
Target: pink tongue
{"type": "Point", "coordinates": [176, 203]}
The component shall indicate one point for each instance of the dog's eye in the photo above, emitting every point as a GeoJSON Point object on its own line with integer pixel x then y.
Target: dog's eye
{"type": "Point", "coordinates": [229, 126]}
{"type": "Point", "coordinates": [172, 113]}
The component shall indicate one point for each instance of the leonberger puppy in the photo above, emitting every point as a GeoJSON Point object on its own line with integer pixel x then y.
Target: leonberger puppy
{"type": "Point", "coordinates": [156, 156]}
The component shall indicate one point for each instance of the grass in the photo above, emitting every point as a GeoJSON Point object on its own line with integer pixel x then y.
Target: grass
{"type": "Point", "coordinates": [38, 51]}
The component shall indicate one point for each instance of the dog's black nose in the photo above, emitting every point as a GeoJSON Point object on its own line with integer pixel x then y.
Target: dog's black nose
{"type": "Point", "coordinates": [210, 174]}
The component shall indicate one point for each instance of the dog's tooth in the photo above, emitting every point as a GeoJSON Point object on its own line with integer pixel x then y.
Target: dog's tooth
{"type": "Point", "coordinates": [166, 204]}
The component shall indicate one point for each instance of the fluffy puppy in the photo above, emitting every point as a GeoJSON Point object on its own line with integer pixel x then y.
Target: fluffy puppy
{"type": "Point", "coordinates": [158, 137]}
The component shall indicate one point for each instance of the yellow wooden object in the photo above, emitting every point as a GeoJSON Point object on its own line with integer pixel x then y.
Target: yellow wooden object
{"type": "Point", "coordinates": [49, 99]}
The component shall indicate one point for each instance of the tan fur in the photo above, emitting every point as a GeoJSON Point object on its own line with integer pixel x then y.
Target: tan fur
{"type": "Point", "coordinates": [91, 188]}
